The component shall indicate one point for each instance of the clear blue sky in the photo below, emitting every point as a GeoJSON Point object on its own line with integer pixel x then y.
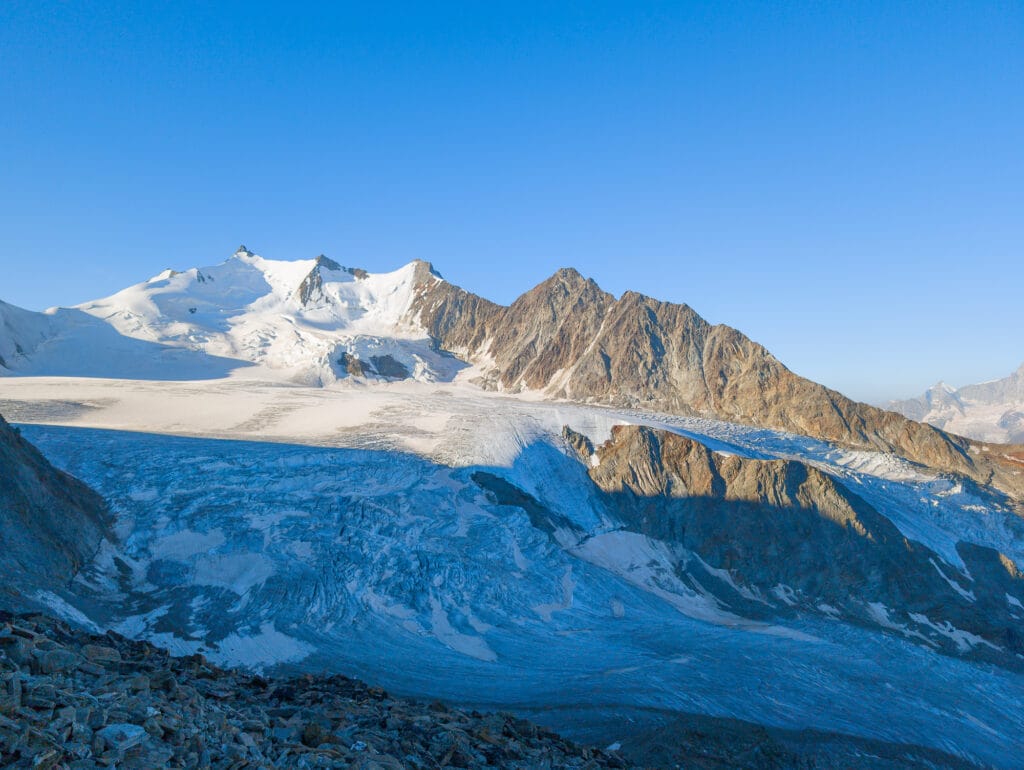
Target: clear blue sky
{"type": "Point", "coordinates": [844, 182]}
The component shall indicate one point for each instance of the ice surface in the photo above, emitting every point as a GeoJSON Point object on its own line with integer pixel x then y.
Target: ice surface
{"type": "Point", "coordinates": [352, 536]}
{"type": "Point", "coordinates": [409, 575]}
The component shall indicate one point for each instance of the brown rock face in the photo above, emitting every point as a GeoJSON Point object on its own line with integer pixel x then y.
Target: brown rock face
{"type": "Point", "coordinates": [50, 523]}
{"type": "Point", "coordinates": [311, 289]}
{"type": "Point", "coordinates": [571, 339]}
{"type": "Point", "coordinates": [774, 523]}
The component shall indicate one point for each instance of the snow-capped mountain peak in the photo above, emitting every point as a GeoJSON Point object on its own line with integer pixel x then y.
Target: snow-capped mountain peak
{"type": "Point", "coordinates": [310, 320]}
{"type": "Point", "coordinates": [987, 411]}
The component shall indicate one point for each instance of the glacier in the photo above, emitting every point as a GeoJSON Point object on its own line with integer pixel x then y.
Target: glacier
{"type": "Point", "coordinates": [378, 553]}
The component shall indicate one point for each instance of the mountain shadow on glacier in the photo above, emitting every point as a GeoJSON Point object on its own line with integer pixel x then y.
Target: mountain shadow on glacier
{"type": "Point", "coordinates": [785, 534]}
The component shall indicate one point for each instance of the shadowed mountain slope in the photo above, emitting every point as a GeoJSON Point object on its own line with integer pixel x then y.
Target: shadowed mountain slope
{"type": "Point", "coordinates": [50, 523]}
{"type": "Point", "coordinates": [791, 537]}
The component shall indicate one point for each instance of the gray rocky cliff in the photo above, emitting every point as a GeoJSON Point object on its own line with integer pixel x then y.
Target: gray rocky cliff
{"type": "Point", "coordinates": [50, 523]}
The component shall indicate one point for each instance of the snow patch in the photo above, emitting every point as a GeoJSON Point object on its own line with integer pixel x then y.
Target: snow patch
{"type": "Point", "coordinates": [448, 635]}
{"type": "Point", "coordinates": [66, 611]}
{"type": "Point", "coordinates": [260, 650]}
{"type": "Point", "coordinates": [968, 595]}
{"type": "Point", "coordinates": [567, 585]}
{"type": "Point", "coordinates": [964, 640]}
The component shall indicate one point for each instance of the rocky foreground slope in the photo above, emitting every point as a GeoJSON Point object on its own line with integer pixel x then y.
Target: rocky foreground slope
{"type": "Point", "coordinates": [70, 699]}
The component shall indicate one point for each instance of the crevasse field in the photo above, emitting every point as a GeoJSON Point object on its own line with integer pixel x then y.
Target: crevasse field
{"type": "Point", "coordinates": [353, 538]}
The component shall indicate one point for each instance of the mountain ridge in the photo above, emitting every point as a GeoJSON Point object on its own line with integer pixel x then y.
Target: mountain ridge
{"type": "Point", "coordinates": [316, 322]}
{"type": "Point", "coordinates": [569, 339]}
{"type": "Point", "coordinates": [780, 523]}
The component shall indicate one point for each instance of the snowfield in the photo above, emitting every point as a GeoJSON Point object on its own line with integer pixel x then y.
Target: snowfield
{"type": "Point", "coordinates": [296, 319]}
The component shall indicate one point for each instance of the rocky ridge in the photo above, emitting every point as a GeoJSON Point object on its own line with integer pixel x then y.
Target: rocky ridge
{"type": "Point", "coordinates": [793, 538]}
{"type": "Point", "coordinates": [570, 339]}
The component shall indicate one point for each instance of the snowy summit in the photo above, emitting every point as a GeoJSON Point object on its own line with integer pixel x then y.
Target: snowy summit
{"type": "Point", "coordinates": [313, 321]}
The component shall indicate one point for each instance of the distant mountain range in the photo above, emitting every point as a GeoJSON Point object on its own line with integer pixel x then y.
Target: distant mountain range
{"type": "Point", "coordinates": [989, 411]}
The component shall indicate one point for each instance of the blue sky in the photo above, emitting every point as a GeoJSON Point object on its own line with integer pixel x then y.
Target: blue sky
{"type": "Point", "coordinates": [844, 182]}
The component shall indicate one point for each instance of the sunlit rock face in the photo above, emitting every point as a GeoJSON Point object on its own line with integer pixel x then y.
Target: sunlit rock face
{"type": "Point", "coordinates": [569, 339]}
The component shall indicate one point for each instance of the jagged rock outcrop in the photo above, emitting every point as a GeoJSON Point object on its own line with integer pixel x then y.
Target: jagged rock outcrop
{"type": "Point", "coordinates": [572, 340]}
{"type": "Point", "coordinates": [384, 366]}
{"type": "Point", "coordinates": [50, 523]}
{"type": "Point", "coordinates": [311, 289]}
{"type": "Point", "coordinates": [797, 538]}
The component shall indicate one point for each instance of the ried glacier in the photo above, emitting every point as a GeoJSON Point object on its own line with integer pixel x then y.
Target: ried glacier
{"type": "Point", "coordinates": [382, 556]}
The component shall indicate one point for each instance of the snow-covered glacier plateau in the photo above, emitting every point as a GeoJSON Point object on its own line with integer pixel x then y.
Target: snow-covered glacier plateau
{"type": "Point", "coordinates": [446, 542]}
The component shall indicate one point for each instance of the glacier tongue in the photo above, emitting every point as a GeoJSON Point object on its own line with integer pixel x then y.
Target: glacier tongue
{"type": "Point", "coordinates": [447, 542]}
{"type": "Point", "coordinates": [410, 572]}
